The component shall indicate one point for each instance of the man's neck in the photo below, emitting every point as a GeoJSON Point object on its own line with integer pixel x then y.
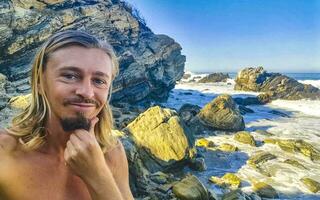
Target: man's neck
{"type": "Point", "coordinates": [56, 138]}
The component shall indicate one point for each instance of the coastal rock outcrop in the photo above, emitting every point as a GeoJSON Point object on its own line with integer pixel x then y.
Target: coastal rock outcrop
{"type": "Point", "coordinates": [214, 77]}
{"type": "Point", "coordinates": [150, 64]}
{"type": "Point", "coordinates": [221, 114]}
{"type": "Point", "coordinates": [162, 138]}
{"type": "Point", "coordinates": [277, 86]}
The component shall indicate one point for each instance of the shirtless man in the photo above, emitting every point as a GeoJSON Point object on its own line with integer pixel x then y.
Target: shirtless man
{"type": "Point", "coordinates": [61, 147]}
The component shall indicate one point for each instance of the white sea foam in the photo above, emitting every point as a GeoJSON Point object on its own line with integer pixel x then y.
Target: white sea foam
{"type": "Point", "coordinates": [315, 83]}
{"type": "Point", "coordinates": [292, 120]}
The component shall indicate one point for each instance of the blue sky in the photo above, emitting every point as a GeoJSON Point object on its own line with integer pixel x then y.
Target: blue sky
{"type": "Point", "coordinates": [228, 35]}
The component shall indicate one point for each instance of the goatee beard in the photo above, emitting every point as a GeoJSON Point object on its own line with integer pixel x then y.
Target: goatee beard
{"type": "Point", "coordinates": [74, 123]}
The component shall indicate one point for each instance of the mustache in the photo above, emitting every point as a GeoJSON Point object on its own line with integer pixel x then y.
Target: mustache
{"type": "Point", "coordinates": [80, 100]}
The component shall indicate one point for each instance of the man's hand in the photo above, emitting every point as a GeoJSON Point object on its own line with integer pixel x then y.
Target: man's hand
{"type": "Point", "coordinates": [83, 153]}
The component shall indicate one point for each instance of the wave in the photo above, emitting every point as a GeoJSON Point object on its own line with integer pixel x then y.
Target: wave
{"type": "Point", "coordinates": [315, 83]}
{"type": "Point", "coordinates": [307, 107]}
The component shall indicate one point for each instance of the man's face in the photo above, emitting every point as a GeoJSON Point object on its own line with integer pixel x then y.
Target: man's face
{"type": "Point", "coordinates": [76, 82]}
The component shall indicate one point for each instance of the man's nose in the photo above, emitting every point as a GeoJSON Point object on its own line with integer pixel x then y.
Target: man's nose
{"type": "Point", "coordinates": [85, 89]}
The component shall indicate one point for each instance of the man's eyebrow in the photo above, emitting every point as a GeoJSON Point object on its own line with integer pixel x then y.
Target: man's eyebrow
{"type": "Point", "coordinates": [99, 73]}
{"type": "Point", "coordinates": [72, 68]}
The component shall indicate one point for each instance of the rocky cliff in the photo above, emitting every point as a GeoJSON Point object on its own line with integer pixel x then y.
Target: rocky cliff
{"type": "Point", "coordinates": [150, 64]}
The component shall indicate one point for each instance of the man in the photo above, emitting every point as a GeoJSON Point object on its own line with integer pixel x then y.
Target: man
{"type": "Point", "coordinates": [61, 147]}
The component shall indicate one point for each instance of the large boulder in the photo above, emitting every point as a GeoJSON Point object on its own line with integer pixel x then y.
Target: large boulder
{"type": "Point", "coordinates": [190, 188]}
{"type": "Point", "coordinates": [277, 86]}
{"type": "Point", "coordinates": [163, 139]}
{"type": "Point", "coordinates": [215, 77]}
{"type": "Point", "coordinates": [150, 64]}
{"type": "Point", "coordinates": [222, 114]}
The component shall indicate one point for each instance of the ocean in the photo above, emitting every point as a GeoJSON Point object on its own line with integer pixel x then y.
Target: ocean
{"type": "Point", "coordinates": [299, 120]}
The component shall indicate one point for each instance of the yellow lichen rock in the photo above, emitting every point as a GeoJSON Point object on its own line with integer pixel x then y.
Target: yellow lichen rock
{"type": "Point", "coordinates": [20, 102]}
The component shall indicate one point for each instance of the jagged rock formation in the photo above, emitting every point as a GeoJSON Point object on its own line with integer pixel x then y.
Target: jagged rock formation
{"type": "Point", "coordinates": [149, 64]}
{"type": "Point", "coordinates": [276, 85]}
{"type": "Point", "coordinates": [215, 77]}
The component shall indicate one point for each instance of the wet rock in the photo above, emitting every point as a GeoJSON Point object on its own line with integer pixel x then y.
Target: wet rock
{"type": "Point", "coordinates": [270, 141]}
{"type": "Point", "coordinates": [311, 184]}
{"type": "Point", "coordinates": [244, 110]}
{"type": "Point", "coordinates": [276, 85]}
{"type": "Point", "coordinates": [300, 146]}
{"type": "Point", "coordinates": [215, 77]}
{"type": "Point", "coordinates": [203, 142]}
{"type": "Point", "coordinates": [227, 180]}
{"type": "Point", "coordinates": [198, 164]}
{"type": "Point", "coordinates": [294, 163]}
{"type": "Point", "coordinates": [227, 147]}
{"type": "Point", "coordinates": [163, 138]}
{"type": "Point", "coordinates": [265, 190]}
{"type": "Point", "coordinates": [245, 138]}
{"type": "Point", "coordinates": [222, 114]}
{"type": "Point", "coordinates": [190, 188]}
{"type": "Point", "coordinates": [260, 157]}
{"type": "Point", "coordinates": [188, 111]}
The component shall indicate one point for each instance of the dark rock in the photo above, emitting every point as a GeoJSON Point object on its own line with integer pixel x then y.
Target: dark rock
{"type": "Point", "coordinates": [198, 164]}
{"type": "Point", "coordinates": [244, 110]}
{"type": "Point", "coordinates": [188, 111]}
{"type": "Point", "coordinates": [190, 188]}
{"type": "Point", "coordinates": [277, 86]}
{"type": "Point", "coordinates": [150, 64]}
{"type": "Point", "coordinates": [215, 77]}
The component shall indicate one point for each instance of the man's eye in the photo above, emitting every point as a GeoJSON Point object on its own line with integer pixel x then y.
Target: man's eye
{"type": "Point", "coordinates": [100, 82]}
{"type": "Point", "coordinates": [69, 76]}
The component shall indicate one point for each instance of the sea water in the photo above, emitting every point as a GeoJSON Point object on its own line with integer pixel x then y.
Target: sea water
{"type": "Point", "coordinates": [299, 119]}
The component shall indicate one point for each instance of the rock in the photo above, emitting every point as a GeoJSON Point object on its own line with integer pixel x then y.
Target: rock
{"type": "Point", "coordinates": [270, 141]}
{"type": "Point", "coordinates": [311, 184]}
{"type": "Point", "coordinates": [188, 111]}
{"type": "Point", "coordinates": [150, 64]}
{"type": "Point", "coordinates": [227, 147]}
{"type": "Point", "coordinates": [259, 158]}
{"type": "Point", "coordinates": [162, 136]}
{"type": "Point", "coordinates": [277, 86]}
{"type": "Point", "coordinates": [215, 77]}
{"type": "Point", "coordinates": [245, 138]}
{"type": "Point", "coordinates": [198, 164]}
{"type": "Point", "coordinates": [3, 93]}
{"type": "Point", "coordinates": [186, 76]}
{"type": "Point", "coordinates": [237, 195]}
{"type": "Point", "coordinates": [190, 188]}
{"type": "Point", "coordinates": [222, 114]}
{"type": "Point", "coordinates": [229, 180]}
{"type": "Point", "coordinates": [244, 110]}
{"type": "Point", "coordinates": [203, 142]}
{"type": "Point", "coordinates": [159, 177]}
{"type": "Point", "coordinates": [20, 102]}
{"type": "Point", "coordinates": [300, 146]}
{"type": "Point", "coordinates": [294, 163]}
{"type": "Point", "coordinates": [265, 190]}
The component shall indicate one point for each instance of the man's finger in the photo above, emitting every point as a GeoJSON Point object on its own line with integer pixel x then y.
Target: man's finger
{"type": "Point", "coordinates": [92, 124]}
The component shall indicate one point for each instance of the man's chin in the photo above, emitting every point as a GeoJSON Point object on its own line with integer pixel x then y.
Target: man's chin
{"type": "Point", "coordinates": [80, 121]}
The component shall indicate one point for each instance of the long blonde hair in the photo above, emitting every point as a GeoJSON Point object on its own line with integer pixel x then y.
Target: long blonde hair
{"type": "Point", "coordinates": [29, 125]}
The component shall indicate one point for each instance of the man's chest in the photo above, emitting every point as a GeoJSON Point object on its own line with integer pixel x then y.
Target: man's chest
{"type": "Point", "coordinates": [39, 180]}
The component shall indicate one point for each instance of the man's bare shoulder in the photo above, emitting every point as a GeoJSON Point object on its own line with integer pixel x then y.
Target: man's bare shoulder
{"type": "Point", "coordinates": [7, 142]}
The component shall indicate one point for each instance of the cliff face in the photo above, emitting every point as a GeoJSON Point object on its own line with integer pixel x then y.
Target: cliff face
{"type": "Point", "coordinates": [150, 64]}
